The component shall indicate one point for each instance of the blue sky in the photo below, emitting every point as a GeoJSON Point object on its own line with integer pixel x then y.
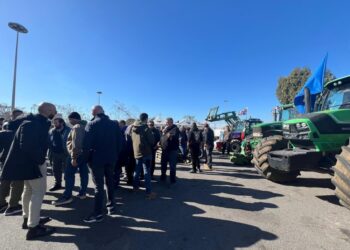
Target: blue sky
{"type": "Point", "coordinates": [173, 58]}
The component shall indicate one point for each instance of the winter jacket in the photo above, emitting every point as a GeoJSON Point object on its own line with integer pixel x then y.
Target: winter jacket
{"type": "Point", "coordinates": [102, 141]}
{"type": "Point", "coordinates": [75, 140]}
{"type": "Point", "coordinates": [6, 137]}
{"type": "Point", "coordinates": [183, 138]}
{"type": "Point", "coordinates": [58, 140]}
{"type": "Point", "coordinates": [208, 137]}
{"type": "Point", "coordinates": [28, 149]}
{"type": "Point", "coordinates": [195, 139]}
{"type": "Point", "coordinates": [156, 135]}
{"type": "Point", "coordinates": [142, 140]}
{"type": "Point", "coordinates": [123, 141]}
{"type": "Point", "coordinates": [170, 138]}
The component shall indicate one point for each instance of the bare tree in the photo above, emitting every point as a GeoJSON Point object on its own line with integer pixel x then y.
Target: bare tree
{"type": "Point", "coordinates": [120, 111]}
{"type": "Point", "coordinates": [66, 109]}
{"type": "Point", "coordinates": [5, 111]}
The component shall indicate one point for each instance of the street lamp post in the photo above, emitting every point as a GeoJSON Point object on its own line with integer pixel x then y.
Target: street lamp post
{"type": "Point", "coordinates": [19, 29]}
{"type": "Point", "coordinates": [99, 93]}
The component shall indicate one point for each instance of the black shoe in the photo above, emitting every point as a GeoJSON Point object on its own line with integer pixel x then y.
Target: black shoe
{"type": "Point", "coordinates": [43, 221]}
{"type": "Point", "coordinates": [39, 231]}
{"type": "Point", "coordinates": [13, 210]}
{"type": "Point", "coordinates": [3, 208]}
{"type": "Point", "coordinates": [192, 171]}
{"type": "Point", "coordinates": [61, 201]}
{"type": "Point", "coordinates": [55, 188]}
{"type": "Point", "coordinates": [94, 218]}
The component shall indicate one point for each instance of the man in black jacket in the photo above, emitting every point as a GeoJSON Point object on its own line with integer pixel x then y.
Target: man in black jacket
{"type": "Point", "coordinates": [170, 147]}
{"type": "Point", "coordinates": [102, 144]}
{"type": "Point", "coordinates": [208, 141]}
{"type": "Point", "coordinates": [14, 189]}
{"type": "Point", "coordinates": [26, 161]}
{"type": "Point", "coordinates": [58, 150]}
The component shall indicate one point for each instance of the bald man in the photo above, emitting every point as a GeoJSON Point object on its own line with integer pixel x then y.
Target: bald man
{"type": "Point", "coordinates": [102, 144]}
{"type": "Point", "coordinates": [26, 162]}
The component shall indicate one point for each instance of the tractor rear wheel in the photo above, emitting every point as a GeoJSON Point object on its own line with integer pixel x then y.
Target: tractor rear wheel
{"type": "Point", "coordinates": [260, 159]}
{"type": "Point", "coordinates": [341, 178]}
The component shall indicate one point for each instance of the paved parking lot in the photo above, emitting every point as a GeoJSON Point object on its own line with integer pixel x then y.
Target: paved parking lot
{"type": "Point", "coordinates": [228, 208]}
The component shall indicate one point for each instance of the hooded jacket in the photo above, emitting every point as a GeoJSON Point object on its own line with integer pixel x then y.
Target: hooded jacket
{"type": "Point", "coordinates": [142, 140]}
{"type": "Point", "coordinates": [58, 140]}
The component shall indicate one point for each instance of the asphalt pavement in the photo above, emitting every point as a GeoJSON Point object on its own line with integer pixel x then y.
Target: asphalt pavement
{"type": "Point", "coordinates": [230, 207]}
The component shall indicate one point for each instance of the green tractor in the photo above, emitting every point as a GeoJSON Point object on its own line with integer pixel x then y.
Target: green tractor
{"type": "Point", "coordinates": [262, 130]}
{"type": "Point", "coordinates": [243, 142]}
{"type": "Point", "coordinates": [280, 114]}
{"type": "Point", "coordinates": [312, 142]}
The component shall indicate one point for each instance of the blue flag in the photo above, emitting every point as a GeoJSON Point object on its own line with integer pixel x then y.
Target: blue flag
{"type": "Point", "coordinates": [314, 84]}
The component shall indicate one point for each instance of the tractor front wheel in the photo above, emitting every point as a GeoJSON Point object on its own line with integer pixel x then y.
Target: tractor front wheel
{"type": "Point", "coordinates": [341, 178]}
{"type": "Point", "coordinates": [260, 159]}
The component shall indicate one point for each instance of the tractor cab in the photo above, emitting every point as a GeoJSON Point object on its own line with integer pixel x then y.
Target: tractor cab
{"type": "Point", "coordinates": [244, 128]}
{"type": "Point", "coordinates": [284, 113]}
{"type": "Point", "coordinates": [336, 96]}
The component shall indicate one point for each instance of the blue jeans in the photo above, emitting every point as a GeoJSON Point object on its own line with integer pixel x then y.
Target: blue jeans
{"type": "Point", "coordinates": [69, 177]}
{"type": "Point", "coordinates": [183, 149]}
{"type": "Point", "coordinates": [171, 157]}
{"type": "Point", "coordinates": [145, 164]}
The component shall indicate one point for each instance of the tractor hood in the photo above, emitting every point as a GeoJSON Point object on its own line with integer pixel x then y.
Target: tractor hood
{"type": "Point", "coordinates": [267, 129]}
{"type": "Point", "coordinates": [326, 122]}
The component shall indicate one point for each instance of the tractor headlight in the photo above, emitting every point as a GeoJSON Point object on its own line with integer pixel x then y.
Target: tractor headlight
{"type": "Point", "coordinates": [257, 134]}
{"type": "Point", "coordinates": [285, 126]}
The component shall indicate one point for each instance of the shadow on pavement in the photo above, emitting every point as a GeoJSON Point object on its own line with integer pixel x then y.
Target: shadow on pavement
{"type": "Point", "coordinates": [312, 182]}
{"type": "Point", "coordinates": [330, 198]}
{"type": "Point", "coordinates": [184, 216]}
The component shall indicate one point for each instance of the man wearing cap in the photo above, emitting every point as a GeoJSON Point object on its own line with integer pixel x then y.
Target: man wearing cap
{"type": "Point", "coordinates": [58, 150]}
{"type": "Point", "coordinates": [75, 161]}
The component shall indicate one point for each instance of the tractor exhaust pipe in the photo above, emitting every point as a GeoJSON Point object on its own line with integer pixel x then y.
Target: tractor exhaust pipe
{"type": "Point", "coordinates": [307, 100]}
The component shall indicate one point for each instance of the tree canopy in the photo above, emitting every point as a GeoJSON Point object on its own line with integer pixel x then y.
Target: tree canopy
{"type": "Point", "coordinates": [288, 86]}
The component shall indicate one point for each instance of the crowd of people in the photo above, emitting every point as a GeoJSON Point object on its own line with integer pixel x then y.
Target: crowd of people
{"type": "Point", "coordinates": [102, 147]}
